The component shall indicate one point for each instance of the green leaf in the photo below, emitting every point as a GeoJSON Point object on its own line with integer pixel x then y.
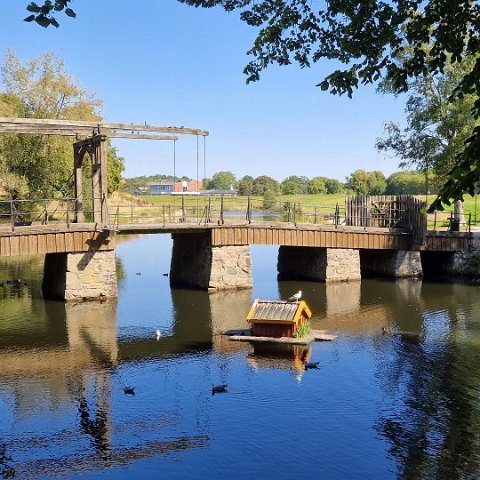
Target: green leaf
{"type": "Point", "coordinates": [70, 13]}
{"type": "Point", "coordinates": [30, 18]}
{"type": "Point", "coordinates": [42, 20]}
{"type": "Point", "coordinates": [33, 7]}
{"type": "Point", "coordinates": [54, 23]}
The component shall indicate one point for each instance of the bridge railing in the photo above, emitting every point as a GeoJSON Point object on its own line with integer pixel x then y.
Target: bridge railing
{"type": "Point", "coordinates": [221, 210]}
{"type": "Point", "coordinates": [199, 209]}
{"type": "Point", "coordinates": [41, 211]}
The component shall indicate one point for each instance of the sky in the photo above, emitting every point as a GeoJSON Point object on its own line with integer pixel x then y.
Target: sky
{"type": "Point", "coordinates": [165, 63]}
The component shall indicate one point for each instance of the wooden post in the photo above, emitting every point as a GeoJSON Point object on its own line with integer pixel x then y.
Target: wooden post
{"type": "Point", "coordinates": [103, 161]}
{"type": "Point", "coordinates": [221, 210]}
{"type": "Point", "coordinates": [78, 158]}
{"type": "Point", "coordinates": [11, 214]}
{"type": "Point", "coordinates": [315, 215]}
{"type": "Point", "coordinates": [184, 216]}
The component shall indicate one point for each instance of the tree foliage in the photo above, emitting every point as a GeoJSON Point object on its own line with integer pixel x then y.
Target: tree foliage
{"type": "Point", "coordinates": [367, 183]}
{"type": "Point", "coordinates": [438, 123]}
{"type": "Point", "coordinates": [264, 182]}
{"type": "Point", "coordinates": [245, 185]}
{"type": "Point", "coordinates": [295, 185]}
{"type": "Point", "coordinates": [44, 14]}
{"type": "Point", "coordinates": [38, 165]}
{"type": "Point", "coordinates": [407, 183]}
{"type": "Point", "coordinates": [222, 181]}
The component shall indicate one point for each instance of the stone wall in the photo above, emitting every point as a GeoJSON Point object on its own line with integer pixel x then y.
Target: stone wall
{"type": "Point", "coordinates": [318, 264]}
{"type": "Point", "coordinates": [196, 264]}
{"type": "Point", "coordinates": [80, 276]}
{"type": "Point", "coordinates": [392, 263]}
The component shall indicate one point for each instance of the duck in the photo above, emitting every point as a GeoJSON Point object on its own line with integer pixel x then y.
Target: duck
{"type": "Point", "coordinates": [386, 330]}
{"type": "Point", "coordinates": [128, 390]}
{"type": "Point", "coordinates": [219, 389]}
{"type": "Point", "coordinates": [309, 365]}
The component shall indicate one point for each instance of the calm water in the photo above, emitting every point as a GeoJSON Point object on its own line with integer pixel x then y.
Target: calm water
{"type": "Point", "coordinates": [379, 407]}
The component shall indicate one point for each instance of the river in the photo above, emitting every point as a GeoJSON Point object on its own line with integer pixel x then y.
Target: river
{"type": "Point", "coordinates": [400, 406]}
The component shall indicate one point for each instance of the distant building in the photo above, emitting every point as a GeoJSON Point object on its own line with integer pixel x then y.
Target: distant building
{"type": "Point", "coordinates": [167, 187]}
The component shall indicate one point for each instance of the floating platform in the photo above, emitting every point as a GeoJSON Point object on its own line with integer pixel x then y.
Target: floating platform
{"type": "Point", "coordinates": [246, 336]}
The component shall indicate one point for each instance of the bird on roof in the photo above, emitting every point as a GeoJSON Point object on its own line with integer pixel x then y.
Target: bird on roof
{"type": "Point", "coordinates": [219, 389]}
{"type": "Point", "coordinates": [296, 297]}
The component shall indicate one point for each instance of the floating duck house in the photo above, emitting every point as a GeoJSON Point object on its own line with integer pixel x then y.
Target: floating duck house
{"type": "Point", "coordinates": [271, 318]}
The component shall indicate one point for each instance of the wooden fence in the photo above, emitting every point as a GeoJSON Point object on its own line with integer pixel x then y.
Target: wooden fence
{"type": "Point", "coordinates": [402, 212]}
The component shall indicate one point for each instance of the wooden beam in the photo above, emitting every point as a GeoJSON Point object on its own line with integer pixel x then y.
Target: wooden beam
{"type": "Point", "coordinates": [37, 125]}
{"type": "Point", "coordinates": [78, 131]}
{"type": "Point", "coordinates": [142, 136]}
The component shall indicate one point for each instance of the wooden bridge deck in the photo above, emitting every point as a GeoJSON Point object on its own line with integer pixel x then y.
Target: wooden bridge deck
{"type": "Point", "coordinates": [41, 239]}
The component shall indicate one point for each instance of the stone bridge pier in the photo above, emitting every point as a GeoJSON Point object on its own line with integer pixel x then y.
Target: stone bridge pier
{"type": "Point", "coordinates": [318, 264]}
{"type": "Point", "coordinates": [84, 275]}
{"type": "Point", "coordinates": [197, 264]}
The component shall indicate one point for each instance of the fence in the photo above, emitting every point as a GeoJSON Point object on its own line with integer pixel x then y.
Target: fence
{"type": "Point", "coordinates": [43, 211]}
{"type": "Point", "coordinates": [401, 212]}
{"type": "Point", "coordinates": [221, 210]}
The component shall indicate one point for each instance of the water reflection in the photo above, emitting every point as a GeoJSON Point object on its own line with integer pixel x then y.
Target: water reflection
{"type": "Point", "coordinates": [400, 406]}
{"type": "Point", "coordinates": [432, 419]}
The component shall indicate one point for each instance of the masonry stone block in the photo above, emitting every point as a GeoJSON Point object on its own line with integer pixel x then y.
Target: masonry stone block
{"type": "Point", "coordinates": [197, 264]}
{"type": "Point", "coordinates": [392, 263]}
{"type": "Point", "coordinates": [80, 276]}
{"type": "Point", "coordinates": [318, 264]}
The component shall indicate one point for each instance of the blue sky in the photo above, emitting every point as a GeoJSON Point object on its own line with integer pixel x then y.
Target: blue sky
{"type": "Point", "coordinates": [162, 62]}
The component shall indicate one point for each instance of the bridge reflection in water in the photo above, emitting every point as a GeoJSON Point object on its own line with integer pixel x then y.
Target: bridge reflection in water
{"type": "Point", "coordinates": [73, 359]}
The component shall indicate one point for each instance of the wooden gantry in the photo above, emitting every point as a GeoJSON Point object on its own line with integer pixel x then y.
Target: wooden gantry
{"type": "Point", "coordinates": [91, 140]}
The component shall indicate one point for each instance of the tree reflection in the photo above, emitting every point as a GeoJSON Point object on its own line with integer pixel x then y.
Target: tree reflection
{"type": "Point", "coordinates": [433, 424]}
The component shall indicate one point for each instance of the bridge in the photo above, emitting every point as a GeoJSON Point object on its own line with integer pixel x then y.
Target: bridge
{"type": "Point", "coordinates": [211, 240]}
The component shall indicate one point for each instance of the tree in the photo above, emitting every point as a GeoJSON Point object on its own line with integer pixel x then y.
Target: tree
{"type": "Point", "coordinates": [263, 182]}
{"type": "Point", "coordinates": [40, 88]}
{"type": "Point", "coordinates": [268, 198]}
{"type": "Point", "coordinates": [222, 181]}
{"type": "Point", "coordinates": [317, 185]}
{"type": "Point", "coordinates": [334, 186]}
{"type": "Point", "coordinates": [438, 123]}
{"type": "Point", "coordinates": [116, 165]}
{"type": "Point", "coordinates": [325, 185]}
{"type": "Point", "coordinates": [294, 185]}
{"type": "Point", "coordinates": [366, 38]}
{"type": "Point", "coordinates": [245, 185]}
{"type": "Point", "coordinates": [406, 183]}
{"type": "Point", "coordinates": [367, 183]}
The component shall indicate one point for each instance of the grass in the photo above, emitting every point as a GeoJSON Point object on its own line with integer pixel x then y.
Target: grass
{"type": "Point", "coordinates": [304, 329]}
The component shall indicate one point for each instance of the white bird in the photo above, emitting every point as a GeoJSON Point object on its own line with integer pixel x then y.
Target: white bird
{"type": "Point", "coordinates": [296, 297]}
{"type": "Point", "coordinates": [158, 334]}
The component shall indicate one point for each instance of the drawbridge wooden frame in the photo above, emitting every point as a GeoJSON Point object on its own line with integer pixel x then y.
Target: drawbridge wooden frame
{"type": "Point", "coordinates": [91, 139]}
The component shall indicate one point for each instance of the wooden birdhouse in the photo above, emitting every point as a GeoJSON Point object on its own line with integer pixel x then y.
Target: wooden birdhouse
{"type": "Point", "coordinates": [270, 318]}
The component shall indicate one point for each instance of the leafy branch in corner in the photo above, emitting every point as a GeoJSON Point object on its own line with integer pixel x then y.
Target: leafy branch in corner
{"type": "Point", "coordinates": [44, 14]}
